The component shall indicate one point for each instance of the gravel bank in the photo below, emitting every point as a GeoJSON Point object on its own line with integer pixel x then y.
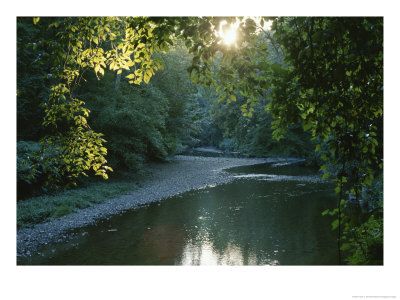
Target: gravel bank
{"type": "Point", "coordinates": [184, 173]}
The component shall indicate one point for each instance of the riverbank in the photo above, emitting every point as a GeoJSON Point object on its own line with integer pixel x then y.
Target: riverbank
{"type": "Point", "coordinates": [162, 180]}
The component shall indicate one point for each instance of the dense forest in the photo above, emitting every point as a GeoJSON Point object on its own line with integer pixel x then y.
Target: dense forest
{"type": "Point", "coordinates": [98, 97]}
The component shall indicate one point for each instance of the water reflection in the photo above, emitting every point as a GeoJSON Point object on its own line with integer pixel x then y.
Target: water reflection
{"type": "Point", "coordinates": [262, 224]}
{"type": "Point", "coordinates": [247, 222]}
{"type": "Point", "coordinates": [205, 254]}
{"type": "Point", "coordinates": [162, 243]}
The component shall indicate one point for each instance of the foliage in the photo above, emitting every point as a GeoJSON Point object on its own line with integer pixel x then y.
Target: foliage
{"type": "Point", "coordinates": [34, 167]}
{"type": "Point", "coordinates": [33, 81]}
{"type": "Point", "coordinates": [228, 144]}
{"type": "Point", "coordinates": [240, 74]}
{"type": "Point", "coordinates": [26, 152]}
{"type": "Point", "coordinates": [342, 109]}
{"type": "Point", "coordinates": [209, 134]}
{"type": "Point", "coordinates": [144, 122]}
{"type": "Point", "coordinates": [83, 44]}
{"type": "Point", "coordinates": [365, 243]}
{"type": "Point", "coordinates": [77, 146]}
{"type": "Point", "coordinates": [130, 118]}
{"type": "Point", "coordinates": [253, 135]}
{"type": "Point", "coordinates": [347, 53]}
{"type": "Point", "coordinates": [26, 174]}
{"type": "Point", "coordinates": [69, 138]}
{"type": "Point", "coordinates": [184, 114]}
{"type": "Point", "coordinates": [373, 195]}
{"type": "Point", "coordinates": [323, 75]}
{"type": "Point", "coordinates": [330, 80]}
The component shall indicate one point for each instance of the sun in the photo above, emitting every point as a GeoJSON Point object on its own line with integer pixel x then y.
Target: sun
{"type": "Point", "coordinates": [228, 32]}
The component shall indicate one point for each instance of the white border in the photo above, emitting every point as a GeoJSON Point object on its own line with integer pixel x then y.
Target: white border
{"type": "Point", "coordinates": [198, 282]}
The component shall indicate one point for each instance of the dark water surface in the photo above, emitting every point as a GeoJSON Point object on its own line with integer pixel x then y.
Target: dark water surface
{"type": "Point", "coordinates": [271, 215]}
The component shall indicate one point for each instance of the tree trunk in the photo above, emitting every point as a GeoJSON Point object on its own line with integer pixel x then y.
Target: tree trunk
{"type": "Point", "coordinates": [117, 80]}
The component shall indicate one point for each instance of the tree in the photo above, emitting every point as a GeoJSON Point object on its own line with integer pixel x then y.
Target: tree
{"type": "Point", "coordinates": [336, 88]}
{"type": "Point", "coordinates": [346, 52]}
{"type": "Point", "coordinates": [330, 80]}
{"type": "Point", "coordinates": [84, 44]}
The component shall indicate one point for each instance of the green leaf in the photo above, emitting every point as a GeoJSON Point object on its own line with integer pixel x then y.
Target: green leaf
{"type": "Point", "coordinates": [335, 224]}
{"type": "Point", "coordinates": [307, 126]}
{"type": "Point", "coordinates": [146, 78]}
{"type": "Point", "coordinates": [188, 43]}
{"type": "Point", "coordinates": [345, 246]}
{"type": "Point", "coordinates": [325, 212]}
{"type": "Point", "coordinates": [276, 68]}
{"type": "Point", "coordinates": [221, 97]}
{"type": "Point", "coordinates": [325, 176]}
{"type": "Point", "coordinates": [334, 212]}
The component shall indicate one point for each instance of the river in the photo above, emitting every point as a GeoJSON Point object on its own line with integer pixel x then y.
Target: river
{"type": "Point", "coordinates": [270, 215]}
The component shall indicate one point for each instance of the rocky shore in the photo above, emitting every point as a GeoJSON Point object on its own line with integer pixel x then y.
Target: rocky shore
{"type": "Point", "coordinates": [182, 174]}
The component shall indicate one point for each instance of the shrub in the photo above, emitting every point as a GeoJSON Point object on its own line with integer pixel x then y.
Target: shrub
{"type": "Point", "coordinates": [228, 144]}
{"type": "Point", "coordinates": [366, 243]}
{"type": "Point", "coordinates": [27, 152]}
{"type": "Point", "coordinates": [373, 194]}
{"type": "Point", "coordinates": [28, 175]}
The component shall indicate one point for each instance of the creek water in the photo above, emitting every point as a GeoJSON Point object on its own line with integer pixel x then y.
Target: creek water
{"type": "Point", "coordinates": [270, 215]}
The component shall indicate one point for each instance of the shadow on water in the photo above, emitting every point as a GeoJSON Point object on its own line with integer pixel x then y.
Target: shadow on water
{"type": "Point", "coordinates": [256, 220]}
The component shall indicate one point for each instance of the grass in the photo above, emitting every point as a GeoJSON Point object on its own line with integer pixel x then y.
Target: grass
{"type": "Point", "coordinates": [48, 207]}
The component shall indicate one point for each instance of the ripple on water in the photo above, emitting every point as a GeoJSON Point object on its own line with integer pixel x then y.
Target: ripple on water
{"type": "Point", "coordinates": [273, 177]}
{"type": "Point", "coordinates": [259, 219]}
